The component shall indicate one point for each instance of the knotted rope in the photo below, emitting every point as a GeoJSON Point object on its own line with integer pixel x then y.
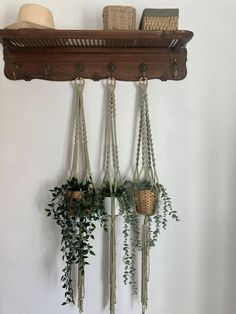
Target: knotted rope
{"type": "Point", "coordinates": [80, 135]}
{"type": "Point", "coordinates": [80, 141]}
{"type": "Point", "coordinates": [146, 172]}
{"type": "Point", "coordinates": [113, 178]}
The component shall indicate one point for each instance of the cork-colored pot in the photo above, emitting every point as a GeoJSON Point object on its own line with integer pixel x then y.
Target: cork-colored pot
{"type": "Point", "coordinates": [73, 196]}
{"type": "Point", "coordinates": [146, 202]}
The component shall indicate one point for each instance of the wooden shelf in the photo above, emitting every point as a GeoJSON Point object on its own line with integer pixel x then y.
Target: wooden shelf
{"type": "Point", "coordinates": [63, 55]}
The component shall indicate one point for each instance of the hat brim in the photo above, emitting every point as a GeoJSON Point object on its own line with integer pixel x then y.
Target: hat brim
{"type": "Point", "coordinates": [25, 24]}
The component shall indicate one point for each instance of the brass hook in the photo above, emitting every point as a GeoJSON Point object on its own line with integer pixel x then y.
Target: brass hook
{"type": "Point", "coordinates": [47, 70]}
{"type": "Point", "coordinates": [16, 68]}
{"type": "Point", "coordinates": [79, 67]}
{"type": "Point", "coordinates": [143, 69]}
{"type": "Point", "coordinates": [111, 67]}
{"type": "Point", "coordinates": [174, 68]}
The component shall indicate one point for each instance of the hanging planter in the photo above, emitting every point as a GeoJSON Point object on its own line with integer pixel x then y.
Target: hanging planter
{"type": "Point", "coordinates": [76, 207]}
{"type": "Point", "coordinates": [112, 188]}
{"type": "Point", "coordinates": [143, 196]}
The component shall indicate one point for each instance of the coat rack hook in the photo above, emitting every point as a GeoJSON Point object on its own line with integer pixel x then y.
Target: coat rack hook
{"type": "Point", "coordinates": [47, 70]}
{"type": "Point", "coordinates": [174, 68]}
{"type": "Point", "coordinates": [96, 77]}
{"type": "Point", "coordinates": [143, 68]}
{"type": "Point", "coordinates": [79, 67]}
{"type": "Point", "coordinates": [16, 69]}
{"type": "Point", "coordinates": [111, 67]}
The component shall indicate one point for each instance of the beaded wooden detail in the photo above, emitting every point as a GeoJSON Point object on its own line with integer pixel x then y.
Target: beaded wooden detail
{"type": "Point", "coordinates": [63, 55]}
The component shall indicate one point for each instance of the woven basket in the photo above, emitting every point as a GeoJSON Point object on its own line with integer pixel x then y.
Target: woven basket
{"type": "Point", "coordinates": [73, 196]}
{"type": "Point", "coordinates": [116, 17]}
{"type": "Point", "coordinates": [146, 202]}
{"type": "Point", "coordinates": [160, 19]}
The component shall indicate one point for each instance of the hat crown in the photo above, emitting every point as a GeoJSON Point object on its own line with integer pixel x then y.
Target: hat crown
{"type": "Point", "coordinates": [34, 14]}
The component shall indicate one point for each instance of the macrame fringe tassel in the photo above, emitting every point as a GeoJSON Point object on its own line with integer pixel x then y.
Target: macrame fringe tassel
{"type": "Point", "coordinates": [145, 264]}
{"type": "Point", "coordinates": [112, 258]}
{"type": "Point", "coordinates": [80, 291]}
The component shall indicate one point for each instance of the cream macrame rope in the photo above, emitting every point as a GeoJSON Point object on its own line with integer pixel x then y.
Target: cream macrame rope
{"type": "Point", "coordinates": [80, 135]}
{"type": "Point", "coordinates": [147, 172]}
{"type": "Point", "coordinates": [145, 142]}
{"type": "Point", "coordinates": [113, 178]}
{"type": "Point", "coordinates": [80, 141]}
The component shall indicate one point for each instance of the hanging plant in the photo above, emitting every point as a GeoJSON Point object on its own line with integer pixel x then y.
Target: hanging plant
{"type": "Point", "coordinates": [77, 207]}
{"type": "Point", "coordinates": [112, 189]}
{"type": "Point", "coordinates": [143, 197]}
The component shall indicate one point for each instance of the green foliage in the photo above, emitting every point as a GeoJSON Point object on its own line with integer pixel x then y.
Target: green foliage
{"type": "Point", "coordinates": [108, 190]}
{"type": "Point", "coordinates": [77, 219]}
{"type": "Point", "coordinates": [132, 228]}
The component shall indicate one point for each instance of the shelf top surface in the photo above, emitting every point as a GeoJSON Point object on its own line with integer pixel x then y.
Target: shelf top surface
{"type": "Point", "coordinates": [51, 38]}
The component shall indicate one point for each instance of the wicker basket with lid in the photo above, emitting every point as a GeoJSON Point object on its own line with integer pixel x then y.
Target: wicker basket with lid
{"type": "Point", "coordinates": [160, 19]}
{"type": "Point", "coordinates": [117, 17]}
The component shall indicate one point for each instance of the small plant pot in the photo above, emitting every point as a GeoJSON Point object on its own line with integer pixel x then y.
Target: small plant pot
{"type": "Point", "coordinates": [146, 202]}
{"type": "Point", "coordinates": [73, 197]}
{"type": "Point", "coordinates": [76, 195]}
{"type": "Point", "coordinates": [108, 204]}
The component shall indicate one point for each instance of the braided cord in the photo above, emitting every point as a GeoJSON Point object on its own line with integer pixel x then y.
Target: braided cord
{"type": "Point", "coordinates": [87, 169]}
{"type": "Point", "coordinates": [80, 134]}
{"type": "Point", "coordinates": [111, 151]}
{"type": "Point", "coordinates": [74, 168]}
{"type": "Point", "coordinates": [151, 154]}
{"type": "Point", "coordinates": [111, 146]}
{"type": "Point", "coordinates": [145, 142]}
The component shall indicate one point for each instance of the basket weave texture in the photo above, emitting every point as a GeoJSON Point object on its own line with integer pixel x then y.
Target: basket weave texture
{"type": "Point", "coordinates": [146, 202]}
{"type": "Point", "coordinates": [76, 195]}
{"type": "Point", "coordinates": [73, 196]}
{"type": "Point", "coordinates": [119, 17]}
{"type": "Point", "coordinates": [164, 23]}
{"type": "Point", "coordinates": [160, 19]}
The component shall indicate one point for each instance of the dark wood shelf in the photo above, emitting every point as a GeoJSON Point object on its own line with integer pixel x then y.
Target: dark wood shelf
{"type": "Point", "coordinates": [63, 55]}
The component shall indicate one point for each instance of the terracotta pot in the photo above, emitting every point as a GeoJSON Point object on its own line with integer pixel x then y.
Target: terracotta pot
{"type": "Point", "coordinates": [107, 205]}
{"type": "Point", "coordinates": [146, 202]}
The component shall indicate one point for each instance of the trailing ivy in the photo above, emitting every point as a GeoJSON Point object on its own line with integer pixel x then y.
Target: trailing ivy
{"type": "Point", "coordinates": [77, 219]}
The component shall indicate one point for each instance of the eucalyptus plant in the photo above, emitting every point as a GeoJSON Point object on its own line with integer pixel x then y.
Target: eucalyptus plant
{"type": "Point", "coordinates": [132, 224]}
{"type": "Point", "coordinates": [77, 219]}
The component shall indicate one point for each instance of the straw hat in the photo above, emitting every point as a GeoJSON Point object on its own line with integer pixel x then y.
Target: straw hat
{"type": "Point", "coordinates": [33, 16]}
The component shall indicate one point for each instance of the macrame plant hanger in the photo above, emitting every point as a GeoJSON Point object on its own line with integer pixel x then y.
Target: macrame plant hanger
{"type": "Point", "coordinates": [80, 145]}
{"type": "Point", "coordinates": [146, 198]}
{"type": "Point", "coordinates": [112, 178]}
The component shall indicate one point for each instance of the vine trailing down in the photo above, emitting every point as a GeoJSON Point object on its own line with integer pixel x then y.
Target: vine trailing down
{"type": "Point", "coordinates": [77, 219]}
{"type": "Point", "coordinates": [76, 208]}
{"type": "Point", "coordinates": [141, 199]}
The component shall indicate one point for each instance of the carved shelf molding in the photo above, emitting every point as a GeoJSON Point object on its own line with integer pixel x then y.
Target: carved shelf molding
{"type": "Point", "coordinates": [63, 55]}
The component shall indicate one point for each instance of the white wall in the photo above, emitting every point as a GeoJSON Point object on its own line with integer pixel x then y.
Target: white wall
{"type": "Point", "coordinates": [193, 266]}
